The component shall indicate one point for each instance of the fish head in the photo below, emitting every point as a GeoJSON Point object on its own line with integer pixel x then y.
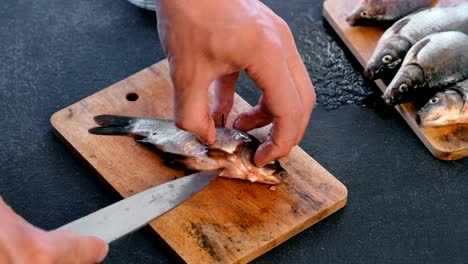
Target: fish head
{"type": "Point", "coordinates": [444, 108]}
{"type": "Point", "coordinates": [387, 58]}
{"type": "Point", "coordinates": [368, 12]}
{"type": "Point", "coordinates": [272, 173]}
{"type": "Point", "coordinates": [404, 85]}
{"type": "Point", "coordinates": [234, 151]}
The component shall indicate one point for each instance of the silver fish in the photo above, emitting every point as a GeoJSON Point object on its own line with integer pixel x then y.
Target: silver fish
{"type": "Point", "coordinates": [435, 62]}
{"type": "Point", "coordinates": [384, 11]}
{"type": "Point", "coordinates": [399, 38]}
{"type": "Point", "coordinates": [447, 107]}
{"type": "Point", "coordinates": [233, 150]}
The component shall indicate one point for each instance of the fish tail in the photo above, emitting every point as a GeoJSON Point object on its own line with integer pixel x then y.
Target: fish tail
{"type": "Point", "coordinates": [112, 125]}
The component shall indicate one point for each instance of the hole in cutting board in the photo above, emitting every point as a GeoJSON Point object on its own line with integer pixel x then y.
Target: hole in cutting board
{"type": "Point", "coordinates": [132, 97]}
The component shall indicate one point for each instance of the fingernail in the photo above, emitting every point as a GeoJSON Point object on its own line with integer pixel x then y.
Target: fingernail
{"type": "Point", "coordinates": [103, 254]}
{"type": "Point", "coordinates": [236, 122]}
{"type": "Point", "coordinates": [257, 160]}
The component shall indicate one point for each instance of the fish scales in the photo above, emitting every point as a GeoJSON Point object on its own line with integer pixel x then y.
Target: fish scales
{"type": "Point", "coordinates": [384, 11]}
{"type": "Point", "coordinates": [437, 61]}
{"type": "Point", "coordinates": [399, 38]}
{"type": "Point", "coordinates": [447, 107]}
{"type": "Point", "coordinates": [444, 59]}
{"type": "Point", "coordinates": [233, 150]}
{"type": "Point", "coordinates": [437, 19]}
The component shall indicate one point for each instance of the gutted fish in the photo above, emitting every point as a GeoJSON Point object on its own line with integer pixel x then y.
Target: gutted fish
{"type": "Point", "coordinates": [399, 38]}
{"type": "Point", "coordinates": [447, 107]}
{"type": "Point", "coordinates": [384, 11]}
{"type": "Point", "coordinates": [233, 151]}
{"type": "Point", "coordinates": [435, 62]}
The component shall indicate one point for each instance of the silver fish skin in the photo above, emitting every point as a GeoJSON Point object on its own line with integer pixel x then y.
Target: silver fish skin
{"type": "Point", "coordinates": [371, 12]}
{"type": "Point", "coordinates": [447, 107]}
{"type": "Point", "coordinates": [233, 150]}
{"type": "Point", "coordinates": [435, 62]}
{"type": "Point", "coordinates": [401, 36]}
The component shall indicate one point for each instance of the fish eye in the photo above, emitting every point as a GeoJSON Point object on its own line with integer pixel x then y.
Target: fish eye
{"type": "Point", "coordinates": [387, 59]}
{"type": "Point", "coordinates": [434, 100]}
{"type": "Point", "coordinates": [365, 14]}
{"type": "Point", "coordinates": [403, 88]}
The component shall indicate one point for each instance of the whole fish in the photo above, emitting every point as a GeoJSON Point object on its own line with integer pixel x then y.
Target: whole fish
{"type": "Point", "coordinates": [435, 62]}
{"type": "Point", "coordinates": [384, 11]}
{"type": "Point", "coordinates": [446, 108]}
{"type": "Point", "coordinates": [399, 38]}
{"type": "Point", "coordinates": [233, 150]}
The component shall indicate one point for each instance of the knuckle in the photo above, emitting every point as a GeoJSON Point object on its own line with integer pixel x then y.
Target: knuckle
{"type": "Point", "coordinates": [38, 252]}
{"type": "Point", "coordinates": [283, 147]}
{"type": "Point", "coordinates": [269, 40]}
{"type": "Point", "coordinates": [283, 27]}
{"type": "Point", "coordinates": [284, 151]}
{"type": "Point", "coordinates": [224, 105]}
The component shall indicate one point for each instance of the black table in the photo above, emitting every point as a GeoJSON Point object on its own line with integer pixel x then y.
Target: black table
{"type": "Point", "coordinates": [404, 205]}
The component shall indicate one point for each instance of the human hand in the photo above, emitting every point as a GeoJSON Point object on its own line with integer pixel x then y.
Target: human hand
{"type": "Point", "coordinates": [209, 41]}
{"type": "Point", "coordinates": [21, 242]}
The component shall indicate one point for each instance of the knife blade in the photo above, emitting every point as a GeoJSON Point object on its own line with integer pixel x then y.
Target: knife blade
{"type": "Point", "coordinates": [134, 212]}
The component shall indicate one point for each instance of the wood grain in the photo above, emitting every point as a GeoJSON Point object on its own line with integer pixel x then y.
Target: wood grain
{"type": "Point", "coordinates": [447, 143]}
{"type": "Point", "coordinates": [230, 221]}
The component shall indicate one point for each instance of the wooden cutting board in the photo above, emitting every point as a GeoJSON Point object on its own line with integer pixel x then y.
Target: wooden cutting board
{"type": "Point", "coordinates": [230, 221]}
{"type": "Point", "coordinates": [447, 143]}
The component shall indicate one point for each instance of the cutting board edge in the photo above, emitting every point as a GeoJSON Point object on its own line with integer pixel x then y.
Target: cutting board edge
{"type": "Point", "coordinates": [303, 226]}
{"type": "Point", "coordinates": [56, 121]}
{"type": "Point", "coordinates": [324, 213]}
{"type": "Point", "coordinates": [337, 206]}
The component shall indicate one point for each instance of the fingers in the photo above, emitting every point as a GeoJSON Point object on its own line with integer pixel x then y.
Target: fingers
{"type": "Point", "coordinates": [70, 248]}
{"type": "Point", "coordinates": [302, 83]}
{"type": "Point", "coordinates": [281, 101]}
{"type": "Point", "coordinates": [256, 117]}
{"type": "Point", "coordinates": [224, 89]}
{"type": "Point", "coordinates": [191, 110]}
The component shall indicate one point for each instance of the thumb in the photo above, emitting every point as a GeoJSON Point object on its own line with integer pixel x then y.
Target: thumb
{"type": "Point", "coordinates": [191, 106]}
{"type": "Point", "coordinates": [72, 248]}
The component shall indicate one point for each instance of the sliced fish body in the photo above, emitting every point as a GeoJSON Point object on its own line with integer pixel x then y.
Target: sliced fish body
{"type": "Point", "coordinates": [233, 150]}
{"type": "Point", "coordinates": [435, 62]}
{"type": "Point", "coordinates": [378, 11]}
{"type": "Point", "coordinates": [399, 38]}
{"type": "Point", "coordinates": [447, 107]}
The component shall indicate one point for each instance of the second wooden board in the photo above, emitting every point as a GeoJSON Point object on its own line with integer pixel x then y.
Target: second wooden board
{"type": "Point", "coordinates": [447, 143]}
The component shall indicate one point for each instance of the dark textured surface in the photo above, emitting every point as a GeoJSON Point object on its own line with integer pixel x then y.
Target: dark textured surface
{"type": "Point", "coordinates": [404, 205]}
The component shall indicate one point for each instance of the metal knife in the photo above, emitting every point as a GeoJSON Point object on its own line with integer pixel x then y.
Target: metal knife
{"type": "Point", "coordinates": [134, 212]}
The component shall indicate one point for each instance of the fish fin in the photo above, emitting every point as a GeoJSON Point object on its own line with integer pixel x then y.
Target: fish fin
{"type": "Point", "coordinates": [175, 164]}
{"type": "Point", "coordinates": [143, 140]}
{"type": "Point", "coordinates": [113, 120]}
{"type": "Point", "coordinates": [418, 47]}
{"type": "Point", "coordinates": [183, 162]}
{"type": "Point", "coordinates": [112, 125]}
{"type": "Point", "coordinates": [108, 130]}
{"type": "Point", "coordinates": [400, 24]}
